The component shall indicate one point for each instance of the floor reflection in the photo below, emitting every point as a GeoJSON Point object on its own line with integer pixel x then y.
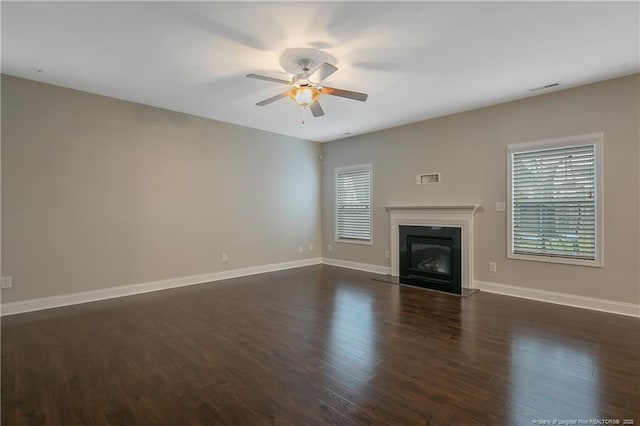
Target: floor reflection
{"type": "Point", "coordinates": [352, 335]}
{"type": "Point", "coordinates": [557, 376]}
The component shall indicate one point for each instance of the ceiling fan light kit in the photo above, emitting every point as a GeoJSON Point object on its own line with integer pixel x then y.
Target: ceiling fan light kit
{"type": "Point", "coordinates": [304, 95]}
{"type": "Point", "coordinates": [306, 88]}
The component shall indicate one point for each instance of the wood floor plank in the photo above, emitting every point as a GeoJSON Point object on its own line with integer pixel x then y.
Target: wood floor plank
{"type": "Point", "coordinates": [317, 345]}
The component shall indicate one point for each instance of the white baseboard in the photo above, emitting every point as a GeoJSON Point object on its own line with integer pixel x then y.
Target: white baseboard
{"type": "Point", "coordinates": [603, 305]}
{"type": "Point", "coordinates": [376, 269]}
{"type": "Point", "coordinates": [12, 308]}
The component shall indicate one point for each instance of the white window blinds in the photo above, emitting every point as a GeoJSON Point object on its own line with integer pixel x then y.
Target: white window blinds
{"type": "Point", "coordinates": [554, 202]}
{"type": "Point", "coordinates": [353, 204]}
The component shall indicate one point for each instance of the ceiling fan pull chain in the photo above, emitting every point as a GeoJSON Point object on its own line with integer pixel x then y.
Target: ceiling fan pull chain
{"type": "Point", "coordinates": [303, 108]}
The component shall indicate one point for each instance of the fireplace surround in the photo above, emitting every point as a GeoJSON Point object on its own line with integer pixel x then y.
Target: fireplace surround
{"type": "Point", "coordinates": [442, 221]}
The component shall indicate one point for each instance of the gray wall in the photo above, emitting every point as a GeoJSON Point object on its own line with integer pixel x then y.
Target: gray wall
{"type": "Point", "coordinates": [98, 192]}
{"type": "Point", "coordinates": [469, 150]}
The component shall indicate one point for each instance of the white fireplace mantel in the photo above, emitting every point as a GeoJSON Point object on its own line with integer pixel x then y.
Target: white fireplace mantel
{"type": "Point", "coordinates": [446, 215]}
{"type": "Point", "coordinates": [461, 208]}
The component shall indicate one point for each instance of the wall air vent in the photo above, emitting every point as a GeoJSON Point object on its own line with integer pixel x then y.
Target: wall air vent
{"type": "Point", "coordinates": [427, 178]}
{"type": "Point", "coordinates": [545, 87]}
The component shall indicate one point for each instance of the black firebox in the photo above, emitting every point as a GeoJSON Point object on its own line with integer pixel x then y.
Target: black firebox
{"type": "Point", "coordinates": [430, 257]}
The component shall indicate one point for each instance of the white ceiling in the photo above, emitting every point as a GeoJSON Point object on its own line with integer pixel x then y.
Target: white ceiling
{"type": "Point", "coordinates": [415, 60]}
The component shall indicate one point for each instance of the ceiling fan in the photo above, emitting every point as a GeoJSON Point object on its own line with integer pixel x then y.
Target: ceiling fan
{"type": "Point", "coordinates": [306, 89]}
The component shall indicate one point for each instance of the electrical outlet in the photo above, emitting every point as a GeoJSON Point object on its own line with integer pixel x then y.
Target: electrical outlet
{"type": "Point", "coordinates": [311, 247]}
{"type": "Point", "coordinates": [225, 257]}
{"type": "Point", "coordinates": [493, 267]}
{"type": "Point", "coordinates": [330, 247]}
{"type": "Point", "coordinates": [300, 249]}
{"type": "Point", "coordinates": [387, 254]}
{"type": "Point", "coordinates": [5, 282]}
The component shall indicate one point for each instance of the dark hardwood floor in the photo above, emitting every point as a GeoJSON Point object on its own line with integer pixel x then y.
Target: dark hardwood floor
{"type": "Point", "coordinates": [318, 345]}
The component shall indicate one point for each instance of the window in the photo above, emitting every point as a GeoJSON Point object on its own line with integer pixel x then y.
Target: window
{"type": "Point", "coordinates": [353, 204]}
{"type": "Point", "coordinates": [555, 200]}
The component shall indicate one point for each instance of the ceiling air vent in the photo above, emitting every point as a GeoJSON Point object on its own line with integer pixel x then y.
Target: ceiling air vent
{"type": "Point", "coordinates": [427, 178]}
{"type": "Point", "coordinates": [548, 86]}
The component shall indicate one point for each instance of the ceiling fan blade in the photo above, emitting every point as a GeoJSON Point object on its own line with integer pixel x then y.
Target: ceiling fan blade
{"type": "Point", "coordinates": [273, 99]}
{"type": "Point", "coordinates": [323, 71]}
{"type": "Point", "coordinates": [264, 77]}
{"type": "Point", "coordinates": [356, 96]}
{"type": "Point", "coordinates": [316, 109]}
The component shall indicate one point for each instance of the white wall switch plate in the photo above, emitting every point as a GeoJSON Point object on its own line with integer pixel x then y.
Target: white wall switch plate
{"type": "Point", "coordinates": [387, 254]}
{"type": "Point", "coordinates": [501, 206]}
{"type": "Point", "coordinates": [300, 249]}
{"type": "Point", "coordinates": [427, 178]}
{"type": "Point", "coordinates": [225, 257]}
{"type": "Point", "coordinates": [493, 267]}
{"type": "Point", "coordinates": [5, 282]}
{"type": "Point", "coordinates": [330, 247]}
{"type": "Point", "coordinates": [311, 247]}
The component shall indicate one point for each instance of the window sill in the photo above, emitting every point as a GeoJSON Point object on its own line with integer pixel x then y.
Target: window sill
{"type": "Point", "coordinates": [552, 259]}
{"type": "Point", "coordinates": [359, 242]}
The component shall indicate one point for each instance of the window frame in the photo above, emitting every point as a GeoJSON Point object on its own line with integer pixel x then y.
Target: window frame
{"type": "Point", "coordinates": [595, 139]}
{"type": "Point", "coordinates": [337, 171]}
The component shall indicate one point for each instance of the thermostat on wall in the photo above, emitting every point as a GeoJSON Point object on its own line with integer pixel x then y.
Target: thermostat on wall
{"type": "Point", "coordinates": [424, 178]}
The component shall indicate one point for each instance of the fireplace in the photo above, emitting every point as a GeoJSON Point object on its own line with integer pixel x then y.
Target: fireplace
{"type": "Point", "coordinates": [430, 257]}
{"type": "Point", "coordinates": [437, 242]}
